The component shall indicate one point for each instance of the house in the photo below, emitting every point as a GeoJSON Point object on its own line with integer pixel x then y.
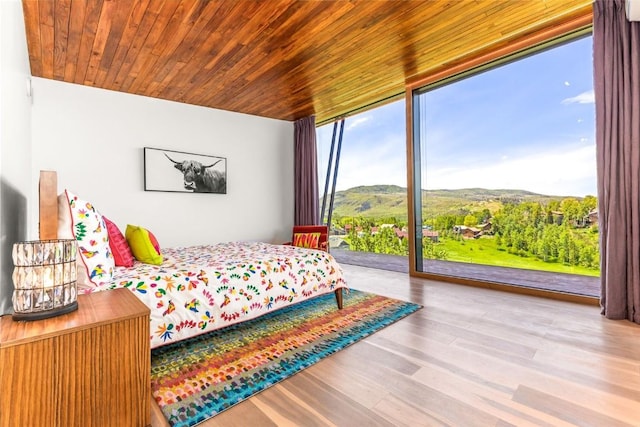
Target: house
{"type": "Point", "coordinates": [591, 218]}
{"type": "Point", "coordinates": [467, 232]}
{"type": "Point", "coordinates": [485, 227]}
{"type": "Point", "coordinates": [432, 235]}
{"type": "Point", "coordinates": [76, 105]}
{"type": "Point", "coordinates": [400, 233]}
{"type": "Point", "coordinates": [557, 217]}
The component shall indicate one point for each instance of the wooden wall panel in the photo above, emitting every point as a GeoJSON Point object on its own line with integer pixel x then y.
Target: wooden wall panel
{"type": "Point", "coordinates": [48, 205]}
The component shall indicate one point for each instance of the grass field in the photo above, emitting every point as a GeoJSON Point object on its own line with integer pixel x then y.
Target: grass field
{"type": "Point", "coordinates": [483, 251]}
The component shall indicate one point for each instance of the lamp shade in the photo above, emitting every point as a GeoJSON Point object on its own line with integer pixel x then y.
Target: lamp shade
{"type": "Point", "coordinates": [44, 278]}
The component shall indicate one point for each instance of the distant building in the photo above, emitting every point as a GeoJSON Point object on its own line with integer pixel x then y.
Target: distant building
{"type": "Point", "coordinates": [434, 236]}
{"type": "Point", "coordinates": [592, 217]}
{"type": "Point", "coordinates": [486, 228]}
{"type": "Point", "coordinates": [467, 232]}
{"type": "Point", "coordinates": [337, 242]}
{"type": "Point", "coordinates": [557, 216]}
{"type": "Point", "coordinates": [401, 234]}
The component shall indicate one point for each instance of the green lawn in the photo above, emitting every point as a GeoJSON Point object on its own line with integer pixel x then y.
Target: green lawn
{"type": "Point", "coordinates": [484, 251]}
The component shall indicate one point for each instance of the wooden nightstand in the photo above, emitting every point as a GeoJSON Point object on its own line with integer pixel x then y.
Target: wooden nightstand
{"type": "Point", "coordinates": [86, 368]}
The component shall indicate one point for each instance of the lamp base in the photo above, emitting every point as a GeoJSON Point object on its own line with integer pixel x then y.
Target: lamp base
{"type": "Point", "coordinates": [39, 315]}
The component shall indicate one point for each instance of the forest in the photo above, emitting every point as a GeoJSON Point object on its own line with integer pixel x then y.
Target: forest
{"type": "Point", "coordinates": [561, 231]}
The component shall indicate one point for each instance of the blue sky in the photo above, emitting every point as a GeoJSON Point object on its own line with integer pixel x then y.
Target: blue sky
{"type": "Point", "coordinates": [527, 125]}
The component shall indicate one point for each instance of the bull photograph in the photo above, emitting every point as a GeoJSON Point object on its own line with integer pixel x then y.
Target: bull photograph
{"type": "Point", "coordinates": [167, 170]}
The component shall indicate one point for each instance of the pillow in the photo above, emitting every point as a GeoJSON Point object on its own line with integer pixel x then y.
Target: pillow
{"type": "Point", "coordinates": [306, 240]}
{"type": "Point", "coordinates": [154, 242]}
{"type": "Point", "coordinates": [141, 245]}
{"type": "Point", "coordinates": [119, 247]}
{"type": "Point", "coordinates": [79, 220]}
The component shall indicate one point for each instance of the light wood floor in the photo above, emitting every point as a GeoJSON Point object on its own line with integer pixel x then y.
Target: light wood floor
{"type": "Point", "coordinates": [470, 357]}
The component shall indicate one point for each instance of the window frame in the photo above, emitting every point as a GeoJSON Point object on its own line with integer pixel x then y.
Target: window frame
{"type": "Point", "coordinates": [532, 43]}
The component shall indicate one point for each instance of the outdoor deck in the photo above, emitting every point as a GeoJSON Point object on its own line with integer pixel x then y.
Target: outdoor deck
{"type": "Point", "coordinates": [556, 282]}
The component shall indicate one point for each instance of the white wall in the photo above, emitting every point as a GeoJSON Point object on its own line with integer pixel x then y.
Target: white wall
{"type": "Point", "coordinates": [15, 140]}
{"type": "Point", "coordinates": [94, 138]}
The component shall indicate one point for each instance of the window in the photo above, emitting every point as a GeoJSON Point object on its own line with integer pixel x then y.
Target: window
{"type": "Point", "coordinates": [370, 205]}
{"type": "Point", "coordinates": [504, 169]}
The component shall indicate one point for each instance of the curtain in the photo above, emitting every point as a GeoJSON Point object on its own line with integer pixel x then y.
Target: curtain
{"type": "Point", "coordinates": [306, 210]}
{"type": "Point", "coordinates": [616, 51]}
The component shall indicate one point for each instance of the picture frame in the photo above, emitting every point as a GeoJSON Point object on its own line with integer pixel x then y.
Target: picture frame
{"type": "Point", "coordinates": [182, 172]}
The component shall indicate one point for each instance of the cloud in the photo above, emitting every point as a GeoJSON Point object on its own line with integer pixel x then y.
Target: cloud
{"type": "Point", "coordinates": [547, 172]}
{"type": "Point", "coordinates": [357, 122]}
{"type": "Point", "coordinates": [382, 163]}
{"type": "Point", "coordinates": [583, 98]}
{"type": "Point", "coordinates": [544, 171]}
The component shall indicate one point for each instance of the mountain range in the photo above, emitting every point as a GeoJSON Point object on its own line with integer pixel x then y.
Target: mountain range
{"type": "Point", "coordinates": [376, 201]}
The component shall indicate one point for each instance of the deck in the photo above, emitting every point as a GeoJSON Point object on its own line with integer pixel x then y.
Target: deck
{"type": "Point", "coordinates": [556, 282]}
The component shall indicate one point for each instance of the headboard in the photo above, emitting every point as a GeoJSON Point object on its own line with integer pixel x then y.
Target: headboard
{"type": "Point", "coordinates": [48, 195]}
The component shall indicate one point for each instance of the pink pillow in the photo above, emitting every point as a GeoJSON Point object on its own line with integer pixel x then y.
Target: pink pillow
{"type": "Point", "coordinates": [119, 247]}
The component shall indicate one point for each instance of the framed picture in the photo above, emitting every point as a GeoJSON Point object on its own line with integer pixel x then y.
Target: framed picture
{"type": "Point", "coordinates": [176, 171]}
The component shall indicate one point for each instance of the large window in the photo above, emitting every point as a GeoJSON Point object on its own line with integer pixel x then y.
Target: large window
{"type": "Point", "coordinates": [505, 171]}
{"type": "Point", "coordinates": [370, 204]}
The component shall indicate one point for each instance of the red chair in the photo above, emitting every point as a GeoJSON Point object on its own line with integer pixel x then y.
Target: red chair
{"type": "Point", "coordinates": [310, 236]}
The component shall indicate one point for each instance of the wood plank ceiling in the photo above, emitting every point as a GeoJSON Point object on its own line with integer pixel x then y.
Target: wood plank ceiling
{"type": "Point", "coordinates": [283, 59]}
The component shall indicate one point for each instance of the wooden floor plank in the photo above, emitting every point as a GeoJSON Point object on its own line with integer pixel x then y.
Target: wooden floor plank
{"type": "Point", "coordinates": [472, 357]}
{"type": "Point", "coordinates": [340, 409]}
{"type": "Point", "coordinates": [348, 383]}
{"type": "Point", "coordinates": [497, 403]}
{"type": "Point", "coordinates": [401, 414]}
{"type": "Point", "coordinates": [622, 372]}
{"type": "Point", "coordinates": [284, 407]}
{"type": "Point", "coordinates": [570, 412]}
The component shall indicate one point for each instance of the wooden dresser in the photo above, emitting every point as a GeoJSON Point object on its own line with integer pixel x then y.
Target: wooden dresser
{"type": "Point", "coordinates": [86, 368]}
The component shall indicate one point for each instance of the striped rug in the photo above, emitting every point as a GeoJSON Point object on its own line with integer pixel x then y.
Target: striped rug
{"type": "Point", "coordinates": [195, 379]}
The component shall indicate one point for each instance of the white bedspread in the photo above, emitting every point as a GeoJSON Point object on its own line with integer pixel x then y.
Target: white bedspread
{"type": "Point", "coordinates": [201, 288]}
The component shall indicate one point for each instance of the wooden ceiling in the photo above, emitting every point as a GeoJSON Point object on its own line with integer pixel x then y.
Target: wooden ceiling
{"type": "Point", "coordinates": [283, 59]}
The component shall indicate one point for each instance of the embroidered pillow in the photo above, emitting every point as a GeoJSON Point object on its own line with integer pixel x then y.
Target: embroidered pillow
{"type": "Point", "coordinates": [119, 247]}
{"type": "Point", "coordinates": [80, 220]}
{"type": "Point", "coordinates": [306, 240]}
{"type": "Point", "coordinates": [141, 245]}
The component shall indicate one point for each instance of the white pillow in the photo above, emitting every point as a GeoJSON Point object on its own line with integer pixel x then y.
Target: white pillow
{"type": "Point", "coordinates": [78, 219]}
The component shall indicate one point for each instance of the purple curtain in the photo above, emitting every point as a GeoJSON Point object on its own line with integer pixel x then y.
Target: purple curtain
{"type": "Point", "coordinates": [616, 52]}
{"type": "Point", "coordinates": [306, 210]}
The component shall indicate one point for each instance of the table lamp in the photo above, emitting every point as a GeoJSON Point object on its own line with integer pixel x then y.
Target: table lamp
{"type": "Point", "coordinates": [44, 278]}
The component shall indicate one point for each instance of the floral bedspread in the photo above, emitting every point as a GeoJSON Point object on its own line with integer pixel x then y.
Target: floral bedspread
{"type": "Point", "coordinates": [201, 288]}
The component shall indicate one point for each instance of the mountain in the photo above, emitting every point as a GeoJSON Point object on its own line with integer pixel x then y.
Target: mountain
{"type": "Point", "coordinates": [375, 201]}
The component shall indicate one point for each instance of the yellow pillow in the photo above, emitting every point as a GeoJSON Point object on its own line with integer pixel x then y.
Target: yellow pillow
{"type": "Point", "coordinates": [141, 245]}
{"type": "Point", "coordinates": [306, 240]}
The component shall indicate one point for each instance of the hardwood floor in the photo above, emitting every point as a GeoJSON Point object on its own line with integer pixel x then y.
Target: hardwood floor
{"type": "Point", "coordinates": [470, 357]}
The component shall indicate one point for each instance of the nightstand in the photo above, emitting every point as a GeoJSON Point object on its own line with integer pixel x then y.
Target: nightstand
{"type": "Point", "coordinates": [90, 367]}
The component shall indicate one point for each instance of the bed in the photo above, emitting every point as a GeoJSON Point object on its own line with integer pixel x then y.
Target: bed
{"type": "Point", "coordinates": [198, 289]}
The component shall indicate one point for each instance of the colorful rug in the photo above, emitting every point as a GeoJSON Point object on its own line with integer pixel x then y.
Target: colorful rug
{"type": "Point", "coordinates": [198, 378]}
